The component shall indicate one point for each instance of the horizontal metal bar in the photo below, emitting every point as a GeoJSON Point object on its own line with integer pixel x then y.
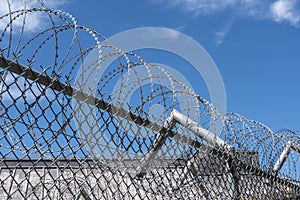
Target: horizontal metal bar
{"type": "Point", "coordinates": [66, 89]}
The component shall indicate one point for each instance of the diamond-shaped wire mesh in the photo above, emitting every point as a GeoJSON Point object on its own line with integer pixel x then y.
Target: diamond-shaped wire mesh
{"type": "Point", "coordinates": [72, 129]}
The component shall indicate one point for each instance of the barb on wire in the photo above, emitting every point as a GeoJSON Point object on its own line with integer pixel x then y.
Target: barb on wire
{"type": "Point", "coordinates": [81, 118]}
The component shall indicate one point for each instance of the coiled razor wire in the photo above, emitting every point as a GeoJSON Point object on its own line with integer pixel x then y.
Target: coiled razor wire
{"type": "Point", "coordinates": [65, 138]}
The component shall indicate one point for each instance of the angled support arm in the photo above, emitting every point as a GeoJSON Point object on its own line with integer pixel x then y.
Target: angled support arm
{"type": "Point", "coordinates": [283, 156]}
{"type": "Point", "coordinates": [177, 117]}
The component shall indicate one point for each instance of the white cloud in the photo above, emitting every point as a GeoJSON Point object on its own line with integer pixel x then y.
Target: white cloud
{"type": "Point", "coordinates": [161, 33]}
{"type": "Point", "coordinates": [284, 10]}
{"type": "Point", "coordinates": [167, 33]}
{"type": "Point", "coordinates": [278, 11]}
{"type": "Point", "coordinates": [33, 20]}
{"type": "Point", "coordinates": [17, 89]}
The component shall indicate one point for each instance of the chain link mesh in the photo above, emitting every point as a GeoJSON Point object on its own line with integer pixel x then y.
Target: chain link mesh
{"type": "Point", "coordinates": [62, 137]}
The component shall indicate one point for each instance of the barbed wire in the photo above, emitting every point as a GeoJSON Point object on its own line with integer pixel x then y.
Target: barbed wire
{"type": "Point", "coordinates": [130, 130]}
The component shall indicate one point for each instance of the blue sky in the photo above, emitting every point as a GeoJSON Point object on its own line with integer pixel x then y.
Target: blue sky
{"type": "Point", "coordinates": [254, 43]}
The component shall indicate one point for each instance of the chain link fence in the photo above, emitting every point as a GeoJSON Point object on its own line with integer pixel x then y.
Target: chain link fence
{"type": "Point", "coordinates": [65, 137]}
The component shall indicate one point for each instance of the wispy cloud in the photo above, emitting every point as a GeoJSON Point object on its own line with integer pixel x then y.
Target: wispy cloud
{"type": "Point", "coordinates": [252, 7]}
{"type": "Point", "coordinates": [166, 33]}
{"type": "Point", "coordinates": [278, 11]}
{"type": "Point", "coordinates": [33, 20]}
{"type": "Point", "coordinates": [220, 35]}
